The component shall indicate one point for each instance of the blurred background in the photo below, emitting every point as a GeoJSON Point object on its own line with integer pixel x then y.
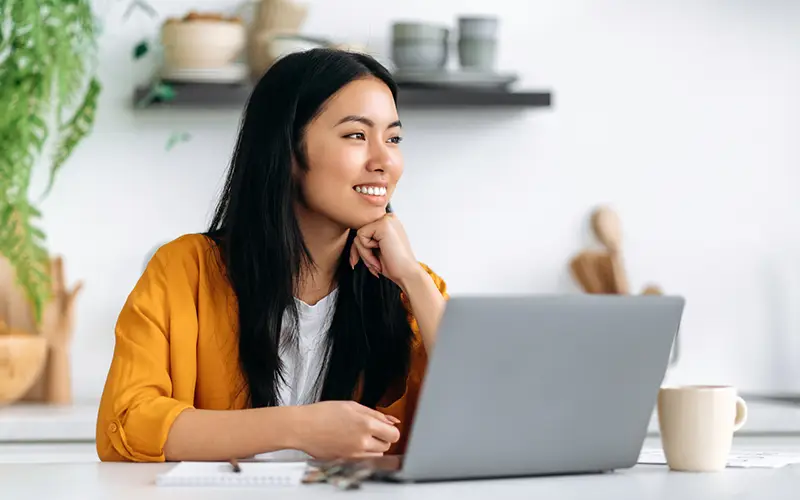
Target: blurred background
{"type": "Point", "coordinates": [682, 117]}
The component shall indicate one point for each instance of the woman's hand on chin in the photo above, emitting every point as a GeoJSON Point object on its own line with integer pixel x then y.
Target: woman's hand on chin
{"type": "Point", "coordinates": [385, 249]}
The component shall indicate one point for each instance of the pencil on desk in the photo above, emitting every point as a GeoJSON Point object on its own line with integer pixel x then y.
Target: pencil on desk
{"type": "Point", "coordinates": [235, 465]}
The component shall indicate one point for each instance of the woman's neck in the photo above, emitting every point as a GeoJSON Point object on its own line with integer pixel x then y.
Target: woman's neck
{"type": "Point", "coordinates": [325, 241]}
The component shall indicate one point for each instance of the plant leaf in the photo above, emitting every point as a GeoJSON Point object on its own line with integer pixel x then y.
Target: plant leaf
{"type": "Point", "coordinates": [177, 137]}
{"type": "Point", "coordinates": [25, 250]}
{"type": "Point", "coordinates": [164, 91]}
{"type": "Point", "coordinates": [140, 50]}
{"type": "Point", "coordinates": [47, 53]}
{"type": "Point", "coordinates": [75, 130]}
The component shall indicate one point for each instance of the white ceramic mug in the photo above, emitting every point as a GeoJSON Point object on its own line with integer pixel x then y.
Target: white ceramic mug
{"type": "Point", "coordinates": [697, 425]}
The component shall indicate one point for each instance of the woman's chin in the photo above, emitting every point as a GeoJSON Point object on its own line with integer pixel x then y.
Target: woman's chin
{"type": "Point", "coordinates": [364, 217]}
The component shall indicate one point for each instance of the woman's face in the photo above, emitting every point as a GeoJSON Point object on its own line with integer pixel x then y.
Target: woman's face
{"type": "Point", "coordinates": [353, 154]}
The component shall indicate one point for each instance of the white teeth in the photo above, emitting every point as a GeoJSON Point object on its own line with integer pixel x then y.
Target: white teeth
{"type": "Point", "coordinates": [373, 190]}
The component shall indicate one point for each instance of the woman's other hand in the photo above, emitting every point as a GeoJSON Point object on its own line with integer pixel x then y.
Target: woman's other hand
{"type": "Point", "coordinates": [344, 429]}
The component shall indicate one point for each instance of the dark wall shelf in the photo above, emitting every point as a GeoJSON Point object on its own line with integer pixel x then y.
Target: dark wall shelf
{"type": "Point", "coordinates": [215, 96]}
{"type": "Point", "coordinates": [419, 97]}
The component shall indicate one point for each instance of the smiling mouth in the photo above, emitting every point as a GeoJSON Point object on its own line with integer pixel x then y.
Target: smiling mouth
{"type": "Point", "coordinates": [371, 190]}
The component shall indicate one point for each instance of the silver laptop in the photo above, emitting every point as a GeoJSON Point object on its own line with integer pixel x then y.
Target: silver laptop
{"type": "Point", "coordinates": [539, 385]}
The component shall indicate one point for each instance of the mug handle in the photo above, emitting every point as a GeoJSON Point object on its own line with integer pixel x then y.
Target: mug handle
{"type": "Point", "coordinates": [741, 414]}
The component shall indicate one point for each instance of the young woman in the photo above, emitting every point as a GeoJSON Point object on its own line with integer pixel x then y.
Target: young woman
{"type": "Point", "coordinates": [289, 324]}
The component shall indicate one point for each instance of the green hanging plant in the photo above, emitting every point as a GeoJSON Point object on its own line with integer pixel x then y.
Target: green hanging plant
{"type": "Point", "coordinates": [48, 98]}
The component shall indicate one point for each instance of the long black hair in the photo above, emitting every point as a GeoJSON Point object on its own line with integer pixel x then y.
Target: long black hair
{"type": "Point", "coordinates": [262, 250]}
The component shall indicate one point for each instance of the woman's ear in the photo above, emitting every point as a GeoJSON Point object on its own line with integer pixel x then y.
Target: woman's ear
{"type": "Point", "coordinates": [299, 157]}
{"type": "Point", "coordinates": [298, 169]}
{"type": "Point", "coordinates": [296, 165]}
{"type": "Point", "coordinates": [297, 181]}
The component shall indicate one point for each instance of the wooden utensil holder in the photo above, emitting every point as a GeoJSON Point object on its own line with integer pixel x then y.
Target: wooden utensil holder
{"type": "Point", "coordinates": [54, 385]}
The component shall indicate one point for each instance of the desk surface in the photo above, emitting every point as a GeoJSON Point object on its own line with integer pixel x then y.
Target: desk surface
{"type": "Point", "coordinates": [135, 481]}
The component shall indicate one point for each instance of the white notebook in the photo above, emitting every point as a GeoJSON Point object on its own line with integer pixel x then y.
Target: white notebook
{"type": "Point", "coordinates": [736, 459]}
{"type": "Point", "coordinates": [221, 474]}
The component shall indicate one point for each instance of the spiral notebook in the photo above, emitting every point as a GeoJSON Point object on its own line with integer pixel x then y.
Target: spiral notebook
{"type": "Point", "coordinates": [222, 474]}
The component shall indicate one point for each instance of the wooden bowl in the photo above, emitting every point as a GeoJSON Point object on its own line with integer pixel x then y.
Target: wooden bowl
{"type": "Point", "coordinates": [22, 359]}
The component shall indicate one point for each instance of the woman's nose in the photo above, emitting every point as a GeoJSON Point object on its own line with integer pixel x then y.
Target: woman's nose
{"type": "Point", "coordinates": [380, 158]}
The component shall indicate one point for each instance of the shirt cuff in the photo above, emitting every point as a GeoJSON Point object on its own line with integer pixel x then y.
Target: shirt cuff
{"type": "Point", "coordinates": [140, 434]}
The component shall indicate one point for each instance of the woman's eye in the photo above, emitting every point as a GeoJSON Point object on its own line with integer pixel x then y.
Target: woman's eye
{"type": "Point", "coordinates": [357, 135]}
{"type": "Point", "coordinates": [396, 140]}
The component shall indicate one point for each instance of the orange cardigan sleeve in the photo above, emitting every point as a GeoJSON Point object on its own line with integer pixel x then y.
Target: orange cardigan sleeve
{"type": "Point", "coordinates": [139, 402]}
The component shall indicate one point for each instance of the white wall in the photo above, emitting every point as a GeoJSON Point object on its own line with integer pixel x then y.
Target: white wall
{"type": "Point", "coordinates": [683, 115]}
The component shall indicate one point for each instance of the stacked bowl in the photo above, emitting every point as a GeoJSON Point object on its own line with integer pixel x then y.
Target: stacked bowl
{"type": "Point", "coordinates": [477, 42]}
{"type": "Point", "coordinates": [419, 46]}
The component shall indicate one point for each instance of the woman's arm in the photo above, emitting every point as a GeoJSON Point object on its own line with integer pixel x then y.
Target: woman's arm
{"type": "Point", "coordinates": [331, 429]}
{"type": "Point", "coordinates": [224, 434]}
{"type": "Point", "coordinates": [427, 304]}
{"type": "Point", "coordinates": [394, 259]}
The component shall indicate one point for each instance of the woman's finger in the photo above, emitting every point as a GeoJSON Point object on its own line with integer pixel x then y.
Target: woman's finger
{"type": "Point", "coordinates": [375, 445]}
{"type": "Point", "coordinates": [368, 455]}
{"type": "Point", "coordinates": [367, 256]}
{"type": "Point", "coordinates": [389, 419]}
{"type": "Point", "coordinates": [367, 241]}
{"type": "Point", "coordinates": [353, 254]}
{"type": "Point", "coordinates": [381, 431]}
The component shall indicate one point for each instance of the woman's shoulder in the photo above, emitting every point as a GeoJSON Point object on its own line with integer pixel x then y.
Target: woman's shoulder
{"type": "Point", "coordinates": [190, 257]}
{"type": "Point", "coordinates": [188, 248]}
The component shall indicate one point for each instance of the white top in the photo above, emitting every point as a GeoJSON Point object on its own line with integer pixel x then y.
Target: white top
{"type": "Point", "coordinates": [303, 360]}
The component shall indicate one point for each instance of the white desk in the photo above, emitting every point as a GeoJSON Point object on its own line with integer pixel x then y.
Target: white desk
{"type": "Point", "coordinates": [135, 481]}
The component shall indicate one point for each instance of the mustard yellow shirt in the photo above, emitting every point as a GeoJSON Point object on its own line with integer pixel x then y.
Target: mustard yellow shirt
{"type": "Point", "coordinates": [177, 348]}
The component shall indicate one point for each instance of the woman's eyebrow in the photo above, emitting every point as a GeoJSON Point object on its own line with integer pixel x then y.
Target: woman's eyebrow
{"type": "Point", "coordinates": [366, 121]}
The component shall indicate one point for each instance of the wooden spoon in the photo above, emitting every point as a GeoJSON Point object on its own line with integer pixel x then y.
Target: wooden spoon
{"type": "Point", "coordinates": [607, 228]}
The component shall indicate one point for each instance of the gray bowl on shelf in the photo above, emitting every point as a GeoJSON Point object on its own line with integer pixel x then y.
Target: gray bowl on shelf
{"type": "Point", "coordinates": [477, 54]}
{"type": "Point", "coordinates": [407, 30]}
{"type": "Point", "coordinates": [419, 54]}
{"type": "Point", "coordinates": [478, 27]}
{"type": "Point", "coordinates": [420, 46]}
